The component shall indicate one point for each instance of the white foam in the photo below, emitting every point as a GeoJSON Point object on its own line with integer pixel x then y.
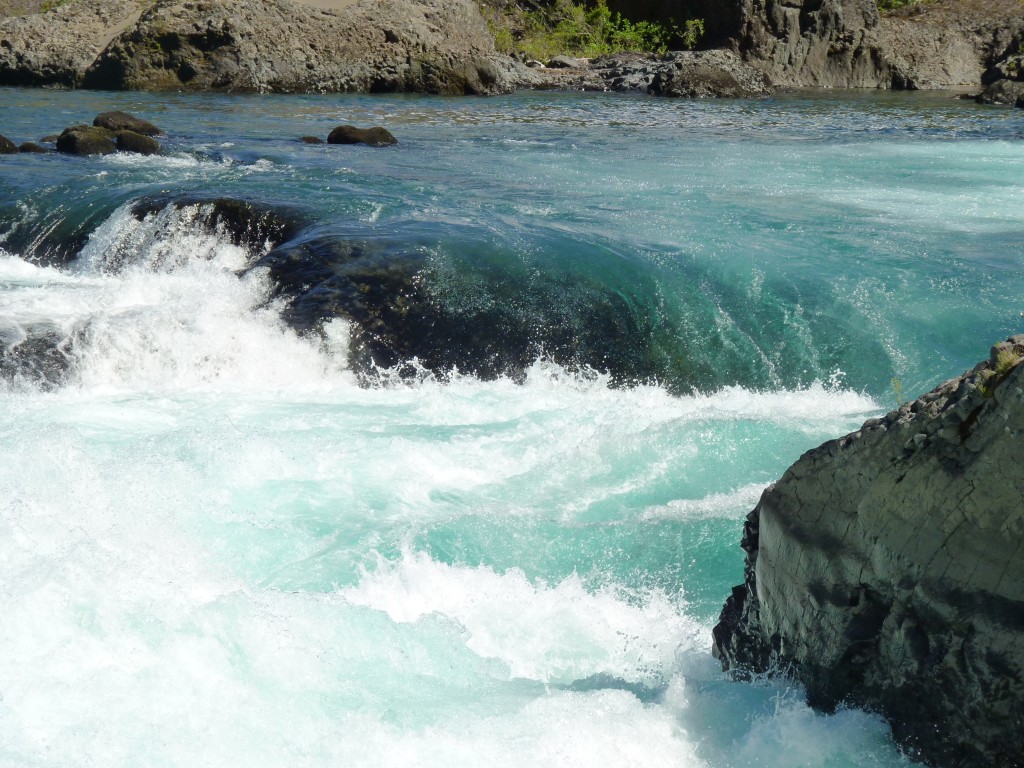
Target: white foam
{"type": "Point", "coordinates": [552, 633]}
{"type": "Point", "coordinates": [713, 505]}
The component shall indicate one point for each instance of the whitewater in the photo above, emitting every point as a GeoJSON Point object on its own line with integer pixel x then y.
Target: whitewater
{"type": "Point", "coordinates": [220, 546]}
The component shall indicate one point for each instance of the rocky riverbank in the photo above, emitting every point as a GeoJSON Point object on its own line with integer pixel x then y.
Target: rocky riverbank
{"type": "Point", "coordinates": [884, 570]}
{"type": "Point", "coordinates": [433, 46]}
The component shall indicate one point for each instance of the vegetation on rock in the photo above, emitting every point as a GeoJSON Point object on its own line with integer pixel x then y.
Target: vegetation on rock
{"type": "Point", "coordinates": [581, 29]}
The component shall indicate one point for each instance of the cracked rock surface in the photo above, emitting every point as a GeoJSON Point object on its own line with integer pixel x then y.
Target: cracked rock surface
{"type": "Point", "coordinates": [886, 570]}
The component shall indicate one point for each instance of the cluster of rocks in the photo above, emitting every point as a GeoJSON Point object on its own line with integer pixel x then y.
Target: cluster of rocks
{"type": "Point", "coordinates": [883, 570]}
{"type": "Point", "coordinates": [110, 132]}
{"type": "Point", "coordinates": [688, 74]}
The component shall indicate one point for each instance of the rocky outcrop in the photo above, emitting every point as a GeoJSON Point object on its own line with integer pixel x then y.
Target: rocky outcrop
{"type": "Point", "coordinates": [434, 46]}
{"type": "Point", "coordinates": [885, 570]}
{"type": "Point", "coordinates": [7, 147]}
{"type": "Point", "coordinates": [848, 43]}
{"type": "Point", "coordinates": [56, 47]}
{"type": "Point", "coordinates": [950, 42]}
{"type": "Point", "coordinates": [689, 74]}
{"type": "Point", "coordinates": [824, 43]}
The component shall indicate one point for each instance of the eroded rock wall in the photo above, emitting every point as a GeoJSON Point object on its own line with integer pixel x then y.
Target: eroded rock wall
{"type": "Point", "coordinates": [437, 46]}
{"type": "Point", "coordinates": [886, 569]}
{"type": "Point", "coordinates": [55, 48]}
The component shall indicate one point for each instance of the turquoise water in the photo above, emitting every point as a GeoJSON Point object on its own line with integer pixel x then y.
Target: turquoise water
{"type": "Point", "coordinates": [217, 548]}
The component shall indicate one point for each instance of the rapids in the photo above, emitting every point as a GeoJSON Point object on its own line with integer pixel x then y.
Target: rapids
{"type": "Point", "coordinates": [222, 544]}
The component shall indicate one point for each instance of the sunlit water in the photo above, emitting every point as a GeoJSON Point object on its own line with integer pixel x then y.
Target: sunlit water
{"type": "Point", "coordinates": [217, 550]}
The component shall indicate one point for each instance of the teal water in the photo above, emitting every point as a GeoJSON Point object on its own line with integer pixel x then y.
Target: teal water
{"type": "Point", "coordinates": [216, 548]}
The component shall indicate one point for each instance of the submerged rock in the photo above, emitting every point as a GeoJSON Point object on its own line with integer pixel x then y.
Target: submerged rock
{"type": "Point", "coordinates": [412, 311]}
{"type": "Point", "coordinates": [374, 137]}
{"type": "Point", "coordinates": [37, 355]}
{"type": "Point", "coordinates": [32, 148]}
{"type": "Point", "coordinates": [256, 226]}
{"type": "Point", "coordinates": [884, 570]}
{"type": "Point", "coordinates": [122, 121]}
{"type": "Point", "coordinates": [7, 147]}
{"type": "Point", "coordinates": [311, 140]}
{"type": "Point", "coordinates": [86, 140]}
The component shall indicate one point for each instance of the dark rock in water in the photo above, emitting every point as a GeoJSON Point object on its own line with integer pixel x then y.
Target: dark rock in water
{"type": "Point", "coordinates": [37, 355]}
{"type": "Point", "coordinates": [311, 140]}
{"type": "Point", "coordinates": [86, 140]}
{"type": "Point", "coordinates": [122, 121]}
{"type": "Point", "coordinates": [407, 305]}
{"type": "Point", "coordinates": [884, 570]}
{"type": "Point", "coordinates": [255, 226]}
{"type": "Point", "coordinates": [1008, 92]}
{"type": "Point", "coordinates": [50, 139]}
{"type": "Point", "coordinates": [374, 137]}
{"type": "Point", "coordinates": [129, 141]}
{"type": "Point", "coordinates": [32, 147]}
{"type": "Point", "coordinates": [7, 147]}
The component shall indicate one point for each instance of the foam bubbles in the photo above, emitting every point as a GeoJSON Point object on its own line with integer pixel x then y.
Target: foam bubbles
{"type": "Point", "coordinates": [554, 634]}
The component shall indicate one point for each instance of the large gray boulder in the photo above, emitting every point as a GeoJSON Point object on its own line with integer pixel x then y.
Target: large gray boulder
{"type": "Point", "coordinates": [435, 46]}
{"type": "Point", "coordinates": [885, 570]}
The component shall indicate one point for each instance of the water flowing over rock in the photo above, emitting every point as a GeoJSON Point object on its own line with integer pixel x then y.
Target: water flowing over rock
{"type": "Point", "coordinates": [884, 570]}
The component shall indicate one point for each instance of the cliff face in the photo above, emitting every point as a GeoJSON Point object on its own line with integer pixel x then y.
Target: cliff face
{"type": "Point", "coordinates": [828, 43]}
{"type": "Point", "coordinates": [950, 42]}
{"type": "Point", "coordinates": [435, 46]}
{"type": "Point", "coordinates": [847, 43]}
{"type": "Point", "coordinates": [55, 48]}
{"type": "Point", "coordinates": [886, 569]}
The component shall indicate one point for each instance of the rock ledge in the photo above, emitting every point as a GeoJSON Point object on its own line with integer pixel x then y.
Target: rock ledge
{"type": "Point", "coordinates": [885, 570]}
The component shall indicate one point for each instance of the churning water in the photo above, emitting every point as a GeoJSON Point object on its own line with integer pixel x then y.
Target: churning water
{"type": "Point", "coordinates": [221, 544]}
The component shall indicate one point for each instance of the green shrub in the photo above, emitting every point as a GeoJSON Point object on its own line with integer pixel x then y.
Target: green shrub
{"type": "Point", "coordinates": [892, 5]}
{"type": "Point", "coordinates": [565, 27]}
